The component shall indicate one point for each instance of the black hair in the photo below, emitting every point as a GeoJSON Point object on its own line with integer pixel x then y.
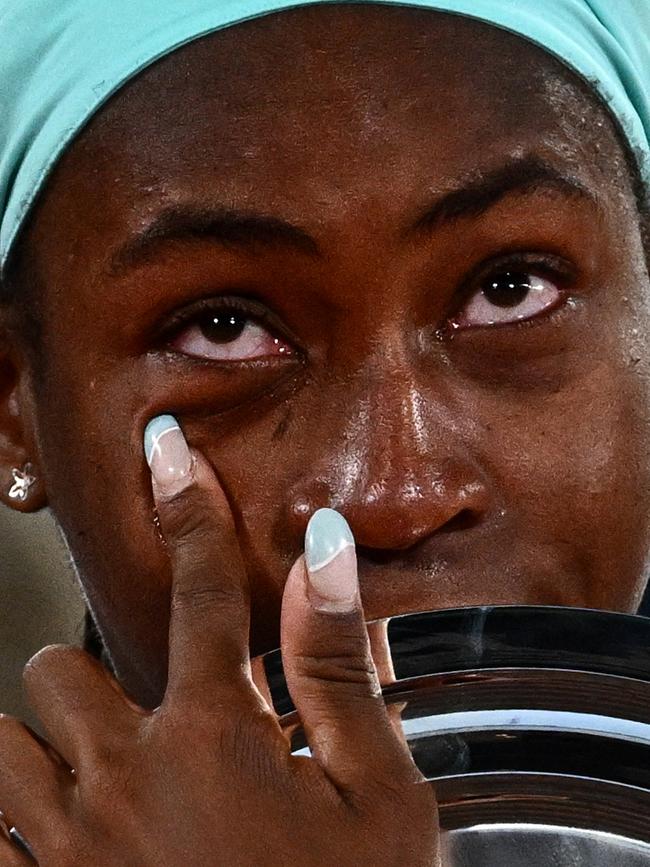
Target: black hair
{"type": "Point", "coordinates": [21, 294]}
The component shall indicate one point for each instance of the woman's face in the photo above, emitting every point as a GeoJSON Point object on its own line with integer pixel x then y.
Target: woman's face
{"type": "Point", "coordinates": [440, 330]}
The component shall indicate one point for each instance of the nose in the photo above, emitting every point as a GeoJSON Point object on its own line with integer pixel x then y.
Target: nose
{"type": "Point", "coordinates": [397, 466]}
{"type": "Point", "coordinates": [398, 516]}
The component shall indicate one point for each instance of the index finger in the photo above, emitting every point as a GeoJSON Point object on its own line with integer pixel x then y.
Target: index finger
{"type": "Point", "coordinates": [209, 622]}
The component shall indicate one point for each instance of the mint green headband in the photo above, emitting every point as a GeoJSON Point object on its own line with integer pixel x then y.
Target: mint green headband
{"type": "Point", "coordinates": [60, 60]}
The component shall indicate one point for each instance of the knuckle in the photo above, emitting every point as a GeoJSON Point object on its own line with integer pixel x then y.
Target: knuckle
{"type": "Point", "coordinates": [186, 515]}
{"type": "Point", "coordinates": [203, 597]}
{"type": "Point", "coordinates": [245, 747]}
{"type": "Point", "coordinates": [109, 788]}
{"type": "Point", "coordinates": [347, 668]}
{"type": "Point", "coordinates": [417, 801]}
{"type": "Point", "coordinates": [53, 658]}
{"type": "Point", "coordinates": [193, 713]}
{"type": "Point", "coordinates": [103, 757]}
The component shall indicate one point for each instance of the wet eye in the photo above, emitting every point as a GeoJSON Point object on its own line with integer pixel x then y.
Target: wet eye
{"type": "Point", "coordinates": [509, 296]}
{"type": "Point", "coordinates": [228, 335]}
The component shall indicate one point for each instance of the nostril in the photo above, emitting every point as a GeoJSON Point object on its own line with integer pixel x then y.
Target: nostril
{"type": "Point", "coordinates": [381, 556]}
{"type": "Point", "coordinates": [463, 520]}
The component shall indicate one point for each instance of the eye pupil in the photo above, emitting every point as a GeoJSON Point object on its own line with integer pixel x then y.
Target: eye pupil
{"type": "Point", "coordinates": [223, 327]}
{"type": "Point", "coordinates": [508, 289]}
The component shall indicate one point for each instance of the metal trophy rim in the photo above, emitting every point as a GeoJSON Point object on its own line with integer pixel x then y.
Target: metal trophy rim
{"type": "Point", "coordinates": [544, 710]}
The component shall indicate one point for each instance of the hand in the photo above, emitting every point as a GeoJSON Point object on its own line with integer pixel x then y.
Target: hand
{"type": "Point", "coordinates": [208, 777]}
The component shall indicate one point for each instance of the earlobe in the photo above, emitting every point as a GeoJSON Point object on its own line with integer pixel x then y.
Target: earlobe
{"type": "Point", "coordinates": [21, 484]}
{"type": "Point", "coordinates": [23, 481]}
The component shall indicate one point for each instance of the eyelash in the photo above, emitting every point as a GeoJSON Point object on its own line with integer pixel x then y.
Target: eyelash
{"type": "Point", "coordinates": [248, 307]}
{"type": "Point", "coordinates": [544, 265]}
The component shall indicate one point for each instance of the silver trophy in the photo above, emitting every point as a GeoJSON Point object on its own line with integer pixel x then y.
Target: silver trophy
{"type": "Point", "coordinates": [533, 725]}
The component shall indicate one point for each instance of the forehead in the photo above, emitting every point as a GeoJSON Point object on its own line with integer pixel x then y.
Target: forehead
{"type": "Point", "coordinates": [327, 108]}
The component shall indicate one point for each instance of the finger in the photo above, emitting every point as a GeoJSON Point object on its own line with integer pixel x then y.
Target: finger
{"type": "Point", "coordinates": [328, 665]}
{"type": "Point", "coordinates": [33, 786]}
{"type": "Point", "coordinates": [380, 651]}
{"type": "Point", "coordinates": [79, 703]}
{"type": "Point", "coordinates": [208, 636]}
{"type": "Point", "coordinates": [261, 682]}
{"type": "Point", "coordinates": [381, 655]}
{"type": "Point", "coordinates": [16, 851]}
{"type": "Point", "coordinates": [10, 854]}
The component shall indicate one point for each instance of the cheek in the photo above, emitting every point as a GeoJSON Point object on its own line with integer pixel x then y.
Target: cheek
{"type": "Point", "coordinates": [575, 468]}
{"type": "Point", "coordinates": [99, 490]}
{"type": "Point", "coordinates": [255, 496]}
{"type": "Point", "coordinates": [102, 500]}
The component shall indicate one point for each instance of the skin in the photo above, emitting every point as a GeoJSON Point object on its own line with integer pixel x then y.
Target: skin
{"type": "Point", "coordinates": [190, 781]}
{"type": "Point", "coordinates": [475, 464]}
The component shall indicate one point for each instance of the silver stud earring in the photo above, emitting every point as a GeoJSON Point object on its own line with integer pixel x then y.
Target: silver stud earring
{"type": "Point", "coordinates": [23, 480]}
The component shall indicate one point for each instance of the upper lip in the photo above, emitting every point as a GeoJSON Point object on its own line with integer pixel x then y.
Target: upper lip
{"type": "Point", "coordinates": [400, 581]}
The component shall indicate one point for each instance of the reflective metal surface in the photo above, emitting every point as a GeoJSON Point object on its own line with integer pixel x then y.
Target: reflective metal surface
{"type": "Point", "coordinates": [533, 724]}
{"type": "Point", "coordinates": [514, 846]}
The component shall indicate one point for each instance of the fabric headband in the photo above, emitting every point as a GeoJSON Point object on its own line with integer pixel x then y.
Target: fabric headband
{"type": "Point", "coordinates": [62, 59]}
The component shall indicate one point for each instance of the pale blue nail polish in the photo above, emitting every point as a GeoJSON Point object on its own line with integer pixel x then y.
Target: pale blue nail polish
{"type": "Point", "coordinates": [328, 533]}
{"type": "Point", "coordinates": [153, 431]}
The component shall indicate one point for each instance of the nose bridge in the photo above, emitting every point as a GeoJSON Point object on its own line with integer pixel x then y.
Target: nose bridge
{"type": "Point", "coordinates": [391, 432]}
{"type": "Point", "coordinates": [393, 466]}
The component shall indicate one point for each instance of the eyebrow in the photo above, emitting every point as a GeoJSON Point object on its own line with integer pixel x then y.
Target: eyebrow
{"type": "Point", "coordinates": [483, 191]}
{"type": "Point", "coordinates": [250, 231]}
{"type": "Point", "coordinates": [225, 226]}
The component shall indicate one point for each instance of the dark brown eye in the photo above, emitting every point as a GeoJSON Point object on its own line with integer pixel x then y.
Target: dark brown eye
{"type": "Point", "coordinates": [223, 327]}
{"type": "Point", "coordinates": [508, 289]}
{"type": "Point", "coordinates": [228, 335]}
{"type": "Point", "coordinates": [507, 297]}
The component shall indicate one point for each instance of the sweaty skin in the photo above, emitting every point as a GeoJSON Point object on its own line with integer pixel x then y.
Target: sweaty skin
{"type": "Point", "coordinates": [474, 462]}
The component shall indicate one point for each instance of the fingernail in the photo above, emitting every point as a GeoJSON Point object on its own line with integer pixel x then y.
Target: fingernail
{"type": "Point", "coordinates": [331, 562]}
{"type": "Point", "coordinates": [168, 456]}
